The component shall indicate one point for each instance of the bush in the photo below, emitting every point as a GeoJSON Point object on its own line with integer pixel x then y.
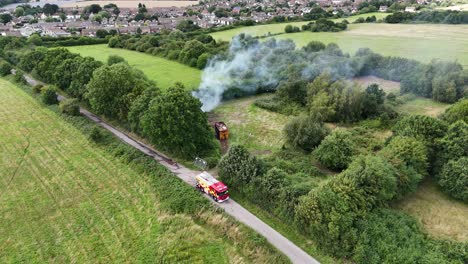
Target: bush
{"type": "Point", "coordinates": [96, 134]}
{"type": "Point", "coordinates": [387, 236]}
{"type": "Point", "coordinates": [454, 178]}
{"type": "Point", "coordinates": [409, 156]}
{"type": "Point", "coordinates": [305, 132]}
{"type": "Point", "coordinates": [5, 68]}
{"type": "Point", "coordinates": [336, 150]}
{"type": "Point", "coordinates": [49, 95]}
{"type": "Point", "coordinates": [19, 77]}
{"type": "Point", "coordinates": [458, 111]}
{"type": "Point", "coordinates": [238, 167]}
{"type": "Point", "coordinates": [331, 211]}
{"type": "Point", "coordinates": [114, 59]}
{"type": "Point", "coordinates": [421, 127]}
{"type": "Point", "coordinates": [37, 88]}
{"type": "Point", "coordinates": [70, 107]}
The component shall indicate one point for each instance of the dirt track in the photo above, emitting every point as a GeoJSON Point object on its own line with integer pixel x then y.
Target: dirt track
{"type": "Point", "coordinates": [295, 254]}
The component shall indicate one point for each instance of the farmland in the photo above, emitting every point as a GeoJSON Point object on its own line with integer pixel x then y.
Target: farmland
{"type": "Point", "coordinates": [164, 72]}
{"type": "Point", "coordinates": [422, 42]}
{"type": "Point", "coordinates": [65, 199]}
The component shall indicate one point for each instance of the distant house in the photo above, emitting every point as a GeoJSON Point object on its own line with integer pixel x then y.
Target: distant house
{"type": "Point", "coordinates": [55, 32]}
{"type": "Point", "coordinates": [236, 10]}
{"type": "Point", "coordinates": [383, 8]}
{"type": "Point", "coordinates": [410, 9]}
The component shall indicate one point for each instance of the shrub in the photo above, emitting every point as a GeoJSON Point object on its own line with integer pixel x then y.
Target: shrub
{"type": "Point", "coordinates": [421, 127]}
{"type": "Point", "coordinates": [5, 68]}
{"type": "Point", "coordinates": [336, 150]}
{"type": "Point", "coordinates": [454, 178]}
{"type": "Point", "coordinates": [19, 77]}
{"type": "Point", "coordinates": [305, 132]}
{"type": "Point", "coordinates": [37, 88]}
{"type": "Point", "coordinates": [49, 95]}
{"type": "Point", "coordinates": [70, 107]}
{"type": "Point", "coordinates": [114, 59]}
{"type": "Point", "coordinates": [238, 167]}
{"type": "Point", "coordinates": [458, 111]}
{"type": "Point", "coordinates": [409, 156]}
{"type": "Point", "coordinates": [387, 236]}
{"type": "Point", "coordinates": [96, 134]}
{"type": "Point", "coordinates": [331, 211]}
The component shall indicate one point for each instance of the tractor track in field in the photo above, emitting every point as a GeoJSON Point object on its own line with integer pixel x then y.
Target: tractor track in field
{"type": "Point", "coordinates": [293, 252]}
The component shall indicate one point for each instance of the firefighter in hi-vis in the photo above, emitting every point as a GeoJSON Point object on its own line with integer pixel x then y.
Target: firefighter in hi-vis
{"type": "Point", "coordinates": [210, 185]}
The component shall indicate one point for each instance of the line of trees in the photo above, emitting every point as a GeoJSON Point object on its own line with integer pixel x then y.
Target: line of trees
{"type": "Point", "coordinates": [170, 119]}
{"type": "Point", "coordinates": [193, 50]}
{"type": "Point", "coordinates": [436, 17]}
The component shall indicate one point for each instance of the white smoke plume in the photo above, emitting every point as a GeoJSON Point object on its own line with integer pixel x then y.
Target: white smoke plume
{"type": "Point", "coordinates": [251, 65]}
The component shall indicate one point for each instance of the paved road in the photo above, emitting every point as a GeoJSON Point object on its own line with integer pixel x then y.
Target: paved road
{"type": "Point", "coordinates": [295, 254]}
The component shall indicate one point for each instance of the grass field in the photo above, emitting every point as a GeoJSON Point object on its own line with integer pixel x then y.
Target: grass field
{"type": "Point", "coordinates": [422, 42]}
{"type": "Point", "coordinates": [422, 106]}
{"type": "Point", "coordinates": [164, 72]}
{"type": "Point", "coordinates": [440, 215]}
{"type": "Point", "coordinates": [66, 200]}
{"type": "Point", "coordinates": [263, 30]}
{"type": "Point", "coordinates": [257, 129]}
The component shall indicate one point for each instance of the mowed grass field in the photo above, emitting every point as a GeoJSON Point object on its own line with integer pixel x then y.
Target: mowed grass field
{"type": "Point", "coordinates": [65, 200]}
{"type": "Point", "coordinates": [422, 42]}
{"type": "Point", "coordinates": [164, 72]}
{"type": "Point", "coordinates": [263, 30]}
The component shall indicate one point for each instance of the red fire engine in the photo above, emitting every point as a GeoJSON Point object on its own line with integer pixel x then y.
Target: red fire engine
{"type": "Point", "coordinates": [210, 185]}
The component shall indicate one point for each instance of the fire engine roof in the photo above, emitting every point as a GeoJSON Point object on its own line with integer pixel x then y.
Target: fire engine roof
{"type": "Point", "coordinates": [212, 181]}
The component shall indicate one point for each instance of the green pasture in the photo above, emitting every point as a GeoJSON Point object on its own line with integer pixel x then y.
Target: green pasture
{"type": "Point", "coordinates": [164, 72]}
{"type": "Point", "coordinates": [422, 42]}
{"type": "Point", "coordinates": [263, 30]}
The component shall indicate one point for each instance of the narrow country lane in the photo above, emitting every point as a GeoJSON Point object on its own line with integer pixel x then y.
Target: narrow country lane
{"type": "Point", "coordinates": [295, 254]}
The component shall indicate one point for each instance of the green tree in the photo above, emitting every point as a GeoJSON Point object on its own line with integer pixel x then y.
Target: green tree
{"type": "Point", "coordinates": [176, 123]}
{"type": "Point", "coordinates": [374, 98]}
{"type": "Point", "coordinates": [112, 89]}
{"type": "Point", "coordinates": [336, 150]}
{"type": "Point", "coordinates": [288, 29]}
{"type": "Point", "coordinates": [420, 127]}
{"type": "Point", "coordinates": [458, 111]}
{"type": "Point", "coordinates": [305, 132]}
{"type": "Point", "coordinates": [70, 107]}
{"type": "Point", "coordinates": [332, 211]}
{"type": "Point", "coordinates": [5, 68]}
{"type": "Point", "coordinates": [19, 11]}
{"type": "Point", "coordinates": [49, 95]}
{"type": "Point", "coordinates": [454, 178]}
{"type": "Point", "coordinates": [114, 59]}
{"type": "Point", "coordinates": [409, 157]}
{"type": "Point", "coordinates": [140, 106]}
{"type": "Point", "coordinates": [35, 40]}
{"type": "Point", "coordinates": [238, 167]}
{"type": "Point", "coordinates": [203, 60]}
{"type": "Point", "coordinates": [5, 18]}
{"type": "Point", "coordinates": [314, 46]}
{"type": "Point", "coordinates": [187, 26]}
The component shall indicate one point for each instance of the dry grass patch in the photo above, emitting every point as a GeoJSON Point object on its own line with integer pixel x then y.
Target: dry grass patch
{"type": "Point", "coordinates": [387, 86]}
{"type": "Point", "coordinates": [440, 215]}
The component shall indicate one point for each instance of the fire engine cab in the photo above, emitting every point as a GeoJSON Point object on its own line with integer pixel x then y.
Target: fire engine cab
{"type": "Point", "coordinates": [210, 185]}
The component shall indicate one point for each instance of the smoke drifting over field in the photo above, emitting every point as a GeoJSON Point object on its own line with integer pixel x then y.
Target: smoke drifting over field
{"type": "Point", "coordinates": [251, 66]}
